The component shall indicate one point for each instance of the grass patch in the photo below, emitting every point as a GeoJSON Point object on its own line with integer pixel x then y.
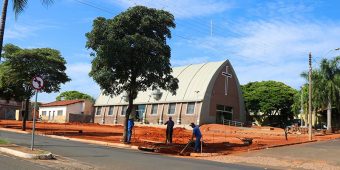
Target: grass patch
{"type": "Point", "coordinates": [3, 141]}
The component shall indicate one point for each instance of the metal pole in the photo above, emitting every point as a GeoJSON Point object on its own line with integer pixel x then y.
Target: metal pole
{"type": "Point", "coordinates": [33, 127]}
{"type": "Point", "coordinates": [310, 98]}
{"type": "Point", "coordinates": [301, 110]}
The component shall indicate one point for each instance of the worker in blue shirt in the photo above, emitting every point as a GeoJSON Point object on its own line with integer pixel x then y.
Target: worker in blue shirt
{"type": "Point", "coordinates": [131, 123]}
{"type": "Point", "coordinates": [197, 134]}
{"type": "Point", "coordinates": [169, 129]}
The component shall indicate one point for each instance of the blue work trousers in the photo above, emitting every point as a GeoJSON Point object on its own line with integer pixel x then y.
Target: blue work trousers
{"type": "Point", "coordinates": [129, 134]}
{"type": "Point", "coordinates": [198, 144]}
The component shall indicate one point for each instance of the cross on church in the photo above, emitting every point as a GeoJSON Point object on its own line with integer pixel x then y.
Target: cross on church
{"type": "Point", "coordinates": [227, 76]}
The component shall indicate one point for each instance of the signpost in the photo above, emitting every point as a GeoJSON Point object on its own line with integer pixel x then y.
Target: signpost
{"type": "Point", "coordinates": [37, 84]}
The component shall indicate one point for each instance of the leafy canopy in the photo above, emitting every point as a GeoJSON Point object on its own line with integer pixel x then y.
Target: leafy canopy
{"type": "Point", "coordinates": [73, 95]}
{"type": "Point", "coordinates": [325, 84]}
{"type": "Point", "coordinates": [20, 5]}
{"type": "Point", "coordinates": [270, 98]}
{"type": "Point", "coordinates": [131, 53]}
{"type": "Point", "coordinates": [21, 65]}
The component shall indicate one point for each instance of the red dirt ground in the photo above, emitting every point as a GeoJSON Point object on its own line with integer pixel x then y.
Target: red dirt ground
{"type": "Point", "coordinates": [217, 138]}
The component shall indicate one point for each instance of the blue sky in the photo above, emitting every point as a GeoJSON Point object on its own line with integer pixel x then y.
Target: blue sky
{"type": "Point", "coordinates": [264, 40]}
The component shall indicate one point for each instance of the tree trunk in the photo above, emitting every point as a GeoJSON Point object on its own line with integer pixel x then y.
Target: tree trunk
{"type": "Point", "coordinates": [127, 115]}
{"type": "Point", "coordinates": [26, 112]}
{"type": "Point", "coordinates": [329, 116]}
{"type": "Point", "coordinates": [2, 26]}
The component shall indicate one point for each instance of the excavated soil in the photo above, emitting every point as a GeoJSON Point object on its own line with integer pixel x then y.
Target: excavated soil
{"type": "Point", "coordinates": [217, 138]}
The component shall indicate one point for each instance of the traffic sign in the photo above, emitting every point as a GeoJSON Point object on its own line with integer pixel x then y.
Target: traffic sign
{"type": "Point", "coordinates": [37, 83]}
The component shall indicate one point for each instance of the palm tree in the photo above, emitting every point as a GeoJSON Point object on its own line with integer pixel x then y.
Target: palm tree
{"type": "Point", "coordinates": [329, 85]}
{"type": "Point", "coordinates": [18, 7]}
{"type": "Point", "coordinates": [326, 87]}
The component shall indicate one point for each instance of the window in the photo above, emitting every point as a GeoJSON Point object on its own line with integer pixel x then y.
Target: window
{"type": "Point", "coordinates": [191, 108]}
{"type": "Point", "coordinates": [172, 108]}
{"type": "Point", "coordinates": [60, 112]}
{"type": "Point", "coordinates": [140, 112]}
{"type": "Point", "coordinates": [154, 109]}
{"type": "Point", "coordinates": [99, 110]}
{"type": "Point", "coordinates": [43, 113]}
{"type": "Point", "coordinates": [123, 110]}
{"type": "Point", "coordinates": [224, 112]}
{"type": "Point", "coordinates": [110, 110]}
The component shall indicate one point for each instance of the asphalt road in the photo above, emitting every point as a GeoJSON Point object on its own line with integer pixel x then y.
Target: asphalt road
{"type": "Point", "coordinates": [101, 157]}
{"type": "Point", "coordinates": [12, 163]}
{"type": "Point", "coordinates": [325, 151]}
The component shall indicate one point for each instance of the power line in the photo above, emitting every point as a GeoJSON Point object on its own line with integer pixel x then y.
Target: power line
{"type": "Point", "coordinates": [94, 6]}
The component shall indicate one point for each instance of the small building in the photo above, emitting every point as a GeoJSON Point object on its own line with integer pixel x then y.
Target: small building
{"type": "Point", "coordinates": [8, 109]}
{"type": "Point", "coordinates": [207, 93]}
{"type": "Point", "coordinates": [67, 111]}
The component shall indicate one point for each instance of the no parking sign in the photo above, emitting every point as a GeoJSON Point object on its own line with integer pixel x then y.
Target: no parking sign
{"type": "Point", "coordinates": [37, 83]}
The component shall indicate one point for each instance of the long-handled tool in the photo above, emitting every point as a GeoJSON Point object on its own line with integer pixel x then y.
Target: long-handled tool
{"type": "Point", "coordinates": [186, 146]}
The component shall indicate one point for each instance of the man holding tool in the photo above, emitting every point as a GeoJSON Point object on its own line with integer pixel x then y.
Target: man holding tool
{"type": "Point", "coordinates": [198, 135]}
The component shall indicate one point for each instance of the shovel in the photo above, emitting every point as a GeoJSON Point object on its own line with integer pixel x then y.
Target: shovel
{"type": "Point", "coordinates": [186, 146]}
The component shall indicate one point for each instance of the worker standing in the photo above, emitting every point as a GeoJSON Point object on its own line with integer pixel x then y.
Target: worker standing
{"type": "Point", "coordinates": [169, 129]}
{"type": "Point", "coordinates": [131, 123]}
{"type": "Point", "coordinates": [197, 134]}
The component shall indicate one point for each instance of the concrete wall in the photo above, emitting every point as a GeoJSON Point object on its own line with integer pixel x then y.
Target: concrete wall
{"type": "Point", "coordinates": [7, 109]}
{"type": "Point", "coordinates": [162, 113]}
{"type": "Point", "coordinates": [83, 109]}
{"type": "Point", "coordinates": [216, 96]}
{"type": "Point", "coordinates": [52, 114]}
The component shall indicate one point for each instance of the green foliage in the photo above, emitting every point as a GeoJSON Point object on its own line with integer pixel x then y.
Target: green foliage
{"type": "Point", "coordinates": [21, 65]}
{"type": "Point", "coordinates": [131, 53]}
{"type": "Point", "coordinates": [269, 99]}
{"type": "Point", "coordinates": [20, 5]}
{"type": "Point", "coordinates": [73, 95]}
{"type": "Point", "coordinates": [325, 84]}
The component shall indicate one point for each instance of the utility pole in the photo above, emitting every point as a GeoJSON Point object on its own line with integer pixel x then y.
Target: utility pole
{"type": "Point", "coordinates": [301, 110]}
{"type": "Point", "coordinates": [310, 98]}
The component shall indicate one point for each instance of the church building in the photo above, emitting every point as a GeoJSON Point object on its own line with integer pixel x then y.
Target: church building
{"type": "Point", "coordinates": [207, 93]}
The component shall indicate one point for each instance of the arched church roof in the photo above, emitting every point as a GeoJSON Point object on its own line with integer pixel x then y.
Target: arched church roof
{"type": "Point", "coordinates": [194, 80]}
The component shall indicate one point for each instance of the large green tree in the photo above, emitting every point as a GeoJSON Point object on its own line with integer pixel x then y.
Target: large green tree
{"type": "Point", "coordinates": [326, 87]}
{"type": "Point", "coordinates": [269, 100]}
{"type": "Point", "coordinates": [21, 65]}
{"type": "Point", "coordinates": [131, 53]}
{"type": "Point", "coordinates": [18, 7]}
{"type": "Point", "coordinates": [73, 95]}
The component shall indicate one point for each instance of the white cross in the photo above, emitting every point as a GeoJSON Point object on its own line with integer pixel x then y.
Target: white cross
{"type": "Point", "coordinates": [227, 76]}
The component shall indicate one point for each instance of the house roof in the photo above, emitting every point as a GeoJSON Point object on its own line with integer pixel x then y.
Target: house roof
{"type": "Point", "coordinates": [61, 103]}
{"type": "Point", "coordinates": [194, 80]}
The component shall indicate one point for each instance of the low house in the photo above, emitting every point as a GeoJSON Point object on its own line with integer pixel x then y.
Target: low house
{"type": "Point", "coordinates": [8, 108]}
{"type": "Point", "coordinates": [67, 111]}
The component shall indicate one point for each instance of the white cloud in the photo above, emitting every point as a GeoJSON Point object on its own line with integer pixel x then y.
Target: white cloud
{"type": "Point", "coordinates": [81, 81]}
{"type": "Point", "coordinates": [284, 9]}
{"type": "Point", "coordinates": [273, 49]}
{"type": "Point", "coordinates": [181, 8]}
{"type": "Point", "coordinates": [23, 31]}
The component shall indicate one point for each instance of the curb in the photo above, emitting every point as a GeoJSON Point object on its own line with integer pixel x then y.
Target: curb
{"type": "Point", "coordinates": [14, 130]}
{"type": "Point", "coordinates": [114, 145]}
{"type": "Point", "coordinates": [204, 154]}
{"type": "Point", "coordinates": [26, 155]}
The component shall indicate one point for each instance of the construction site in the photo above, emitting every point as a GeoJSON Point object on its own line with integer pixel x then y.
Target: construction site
{"type": "Point", "coordinates": [217, 139]}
